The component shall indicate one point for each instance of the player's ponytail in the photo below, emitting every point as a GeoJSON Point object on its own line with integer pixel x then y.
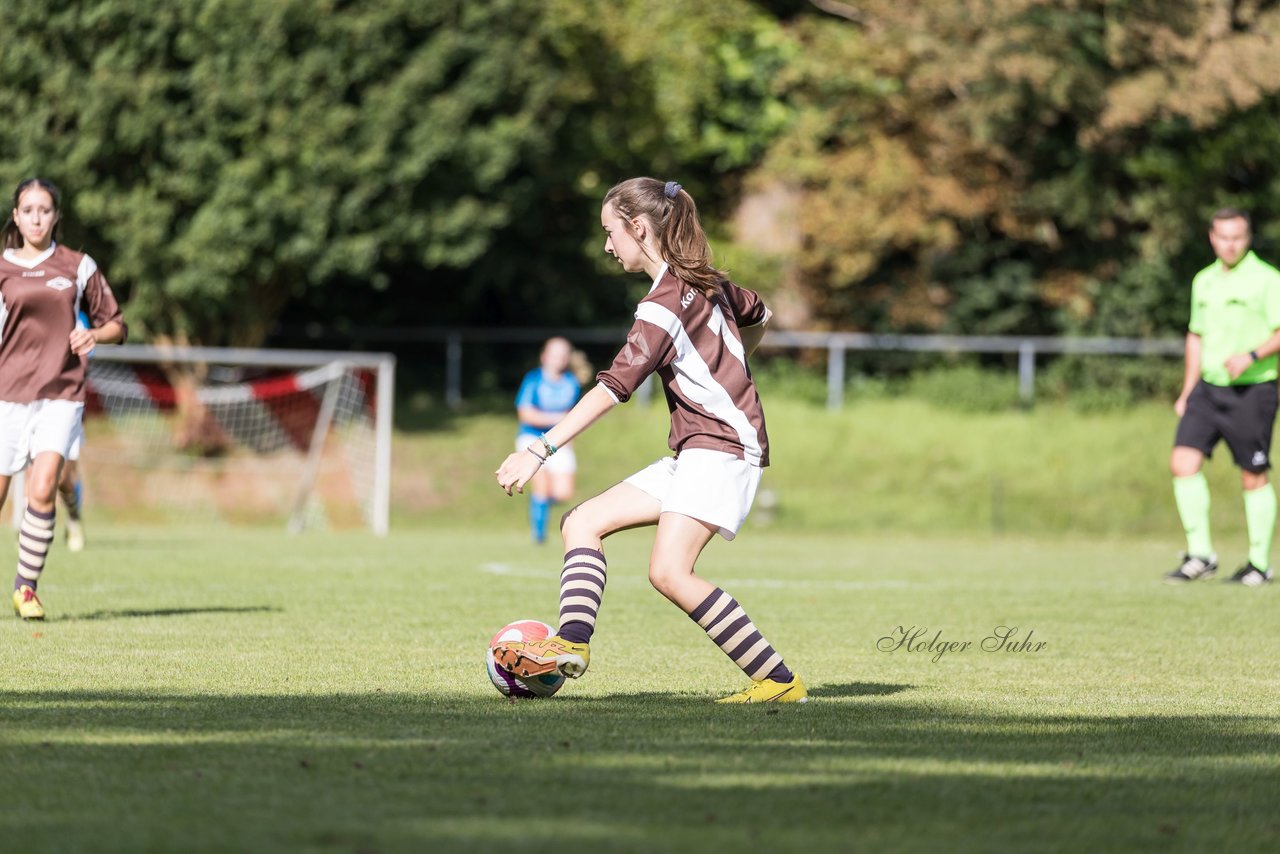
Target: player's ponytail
{"type": "Point", "coordinates": [10, 237]}
{"type": "Point", "coordinates": [678, 234]}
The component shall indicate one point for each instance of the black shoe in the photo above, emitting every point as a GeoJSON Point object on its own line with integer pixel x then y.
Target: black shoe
{"type": "Point", "coordinates": [1193, 568]}
{"type": "Point", "coordinates": [1250, 576]}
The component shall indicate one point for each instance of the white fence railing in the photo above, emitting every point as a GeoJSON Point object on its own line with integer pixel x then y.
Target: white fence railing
{"type": "Point", "coordinates": [837, 345]}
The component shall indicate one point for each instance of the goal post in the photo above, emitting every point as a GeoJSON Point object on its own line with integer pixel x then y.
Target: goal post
{"type": "Point", "coordinates": [200, 433]}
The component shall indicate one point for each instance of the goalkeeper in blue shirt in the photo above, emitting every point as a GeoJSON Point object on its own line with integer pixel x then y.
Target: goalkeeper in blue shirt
{"type": "Point", "coordinates": [547, 393]}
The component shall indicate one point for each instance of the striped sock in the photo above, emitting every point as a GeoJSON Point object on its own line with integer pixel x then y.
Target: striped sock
{"type": "Point", "coordinates": [724, 621]}
{"type": "Point", "coordinates": [72, 498]}
{"type": "Point", "coordinates": [581, 589]}
{"type": "Point", "coordinates": [34, 538]}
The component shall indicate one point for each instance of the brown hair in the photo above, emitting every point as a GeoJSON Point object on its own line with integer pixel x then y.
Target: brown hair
{"type": "Point", "coordinates": [9, 234]}
{"type": "Point", "coordinates": [1231, 213]}
{"type": "Point", "coordinates": [677, 232]}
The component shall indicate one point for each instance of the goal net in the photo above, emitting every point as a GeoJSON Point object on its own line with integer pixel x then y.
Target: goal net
{"type": "Point", "coordinates": [300, 438]}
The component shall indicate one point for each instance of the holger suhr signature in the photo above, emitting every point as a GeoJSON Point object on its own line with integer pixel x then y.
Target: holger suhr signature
{"type": "Point", "coordinates": [918, 639]}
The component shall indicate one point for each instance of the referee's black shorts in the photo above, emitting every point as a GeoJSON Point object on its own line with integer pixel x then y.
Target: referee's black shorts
{"type": "Point", "coordinates": [1241, 414]}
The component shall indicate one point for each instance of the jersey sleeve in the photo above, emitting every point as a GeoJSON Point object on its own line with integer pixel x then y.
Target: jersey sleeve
{"type": "Point", "coordinates": [528, 393]}
{"type": "Point", "coordinates": [747, 307]}
{"type": "Point", "coordinates": [649, 347]}
{"type": "Point", "coordinates": [99, 300]}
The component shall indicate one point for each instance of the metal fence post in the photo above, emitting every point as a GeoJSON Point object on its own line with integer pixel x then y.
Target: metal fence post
{"type": "Point", "coordinates": [453, 370]}
{"type": "Point", "coordinates": [835, 375]}
{"type": "Point", "coordinates": [1027, 372]}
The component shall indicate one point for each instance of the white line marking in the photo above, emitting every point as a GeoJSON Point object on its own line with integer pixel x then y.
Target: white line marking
{"type": "Point", "coordinates": [511, 570]}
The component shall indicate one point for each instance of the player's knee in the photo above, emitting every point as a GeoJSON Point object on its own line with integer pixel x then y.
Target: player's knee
{"type": "Point", "coordinates": [1182, 464]}
{"type": "Point", "coordinates": [662, 579]}
{"type": "Point", "coordinates": [1252, 480]}
{"type": "Point", "coordinates": [577, 523]}
{"type": "Point", "coordinates": [41, 490]}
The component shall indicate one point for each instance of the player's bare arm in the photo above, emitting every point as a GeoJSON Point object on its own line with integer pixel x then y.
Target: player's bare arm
{"type": "Point", "coordinates": [518, 468]}
{"type": "Point", "coordinates": [1191, 374]}
{"type": "Point", "coordinates": [1240, 362]}
{"type": "Point", "coordinates": [82, 341]}
{"type": "Point", "coordinates": [535, 417]}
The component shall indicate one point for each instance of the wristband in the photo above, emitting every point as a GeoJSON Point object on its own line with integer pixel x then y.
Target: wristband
{"type": "Point", "coordinates": [1253, 354]}
{"type": "Point", "coordinates": [551, 449]}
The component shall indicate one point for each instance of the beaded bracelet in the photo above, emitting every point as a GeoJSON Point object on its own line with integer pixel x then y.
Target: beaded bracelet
{"type": "Point", "coordinates": [551, 449]}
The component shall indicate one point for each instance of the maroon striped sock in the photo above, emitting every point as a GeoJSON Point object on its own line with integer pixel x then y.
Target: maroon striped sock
{"type": "Point", "coordinates": [581, 590]}
{"type": "Point", "coordinates": [34, 538]}
{"type": "Point", "coordinates": [729, 627]}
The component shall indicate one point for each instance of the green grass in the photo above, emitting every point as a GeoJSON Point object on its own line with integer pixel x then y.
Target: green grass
{"type": "Point", "coordinates": [879, 465]}
{"type": "Point", "coordinates": [198, 691]}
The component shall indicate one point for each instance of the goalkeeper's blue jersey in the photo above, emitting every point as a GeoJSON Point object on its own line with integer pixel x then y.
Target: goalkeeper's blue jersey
{"type": "Point", "coordinates": [556, 396]}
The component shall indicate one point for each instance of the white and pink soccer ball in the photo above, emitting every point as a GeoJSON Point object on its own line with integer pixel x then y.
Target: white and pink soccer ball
{"type": "Point", "coordinates": [534, 686]}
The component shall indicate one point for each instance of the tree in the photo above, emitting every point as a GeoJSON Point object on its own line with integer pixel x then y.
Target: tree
{"type": "Point", "coordinates": [1023, 165]}
{"type": "Point", "coordinates": [228, 159]}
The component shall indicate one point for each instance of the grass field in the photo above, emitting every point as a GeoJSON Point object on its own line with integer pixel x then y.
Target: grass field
{"type": "Point", "coordinates": [879, 465]}
{"type": "Point", "coordinates": [197, 691]}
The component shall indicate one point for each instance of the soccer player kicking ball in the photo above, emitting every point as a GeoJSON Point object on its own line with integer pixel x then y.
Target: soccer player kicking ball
{"type": "Point", "coordinates": [42, 366]}
{"type": "Point", "coordinates": [695, 329]}
{"type": "Point", "coordinates": [1229, 392]}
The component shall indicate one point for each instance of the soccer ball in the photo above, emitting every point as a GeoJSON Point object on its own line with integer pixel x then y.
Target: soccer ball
{"type": "Point", "coordinates": [533, 686]}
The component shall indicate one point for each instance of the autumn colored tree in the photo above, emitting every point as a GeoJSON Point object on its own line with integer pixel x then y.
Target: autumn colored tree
{"type": "Point", "coordinates": [1023, 165]}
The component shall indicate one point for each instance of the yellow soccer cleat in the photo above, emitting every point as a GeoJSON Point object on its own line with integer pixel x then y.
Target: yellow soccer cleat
{"type": "Point", "coordinates": [769, 691]}
{"type": "Point", "coordinates": [75, 535]}
{"type": "Point", "coordinates": [26, 604]}
{"type": "Point", "coordinates": [538, 658]}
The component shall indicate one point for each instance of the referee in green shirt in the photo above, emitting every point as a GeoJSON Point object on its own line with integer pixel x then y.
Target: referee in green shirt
{"type": "Point", "coordinates": [1228, 392]}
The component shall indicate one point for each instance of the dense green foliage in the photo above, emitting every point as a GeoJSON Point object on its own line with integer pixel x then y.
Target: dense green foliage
{"type": "Point", "coordinates": [227, 158]}
{"type": "Point", "coordinates": [1004, 166]}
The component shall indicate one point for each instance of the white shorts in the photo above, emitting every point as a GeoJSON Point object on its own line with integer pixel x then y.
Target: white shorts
{"type": "Point", "coordinates": [28, 429]}
{"type": "Point", "coordinates": [563, 461]}
{"type": "Point", "coordinates": [73, 453]}
{"type": "Point", "coordinates": [711, 486]}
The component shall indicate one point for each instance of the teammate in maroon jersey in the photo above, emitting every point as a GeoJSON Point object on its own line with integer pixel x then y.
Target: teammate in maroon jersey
{"type": "Point", "coordinates": [42, 365]}
{"type": "Point", "coordinates": [694, 329]}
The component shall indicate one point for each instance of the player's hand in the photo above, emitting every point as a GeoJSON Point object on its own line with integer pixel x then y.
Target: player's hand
{"type": "Point", "coordinates": [517, 470]}
{"type": "Point", "coordinates": [1180, 405]}
{"type": "Point", "coordinates": [82, 341]}
{"type": "Point", "coordinates": [1238, 364]}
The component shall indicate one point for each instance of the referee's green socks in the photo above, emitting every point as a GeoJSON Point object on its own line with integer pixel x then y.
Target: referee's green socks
{"type": "Point", "coordinates": [1192, 497]}
{"type": "Point", "coordinates": [1260, 513]}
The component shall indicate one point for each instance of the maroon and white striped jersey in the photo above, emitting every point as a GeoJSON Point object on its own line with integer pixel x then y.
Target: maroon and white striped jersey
{"type": "Point", "coordinates": [693, 344]}
{"type": "Point", "coordinates": [39, 301]}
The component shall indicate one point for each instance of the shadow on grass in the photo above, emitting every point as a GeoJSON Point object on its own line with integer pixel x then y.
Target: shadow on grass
{"type": "Point", "coordinates": [858, 689]}
{"type": "Point", "coordinates": [405, 771]}
{"type": "Point", "coordinates": [170, 612]}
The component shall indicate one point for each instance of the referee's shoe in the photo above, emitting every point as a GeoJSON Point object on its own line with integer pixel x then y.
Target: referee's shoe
{"type": "Point", "coordinates": [1193, 568]}
{"type": "Point", "coordinates": [1250, 576]}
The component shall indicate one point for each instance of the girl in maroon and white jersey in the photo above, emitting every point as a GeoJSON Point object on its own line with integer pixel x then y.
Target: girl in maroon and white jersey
{"type": "Point", "coordinates": [42, 365]}
{"type": "Point", "coordinates": [694, 329]}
